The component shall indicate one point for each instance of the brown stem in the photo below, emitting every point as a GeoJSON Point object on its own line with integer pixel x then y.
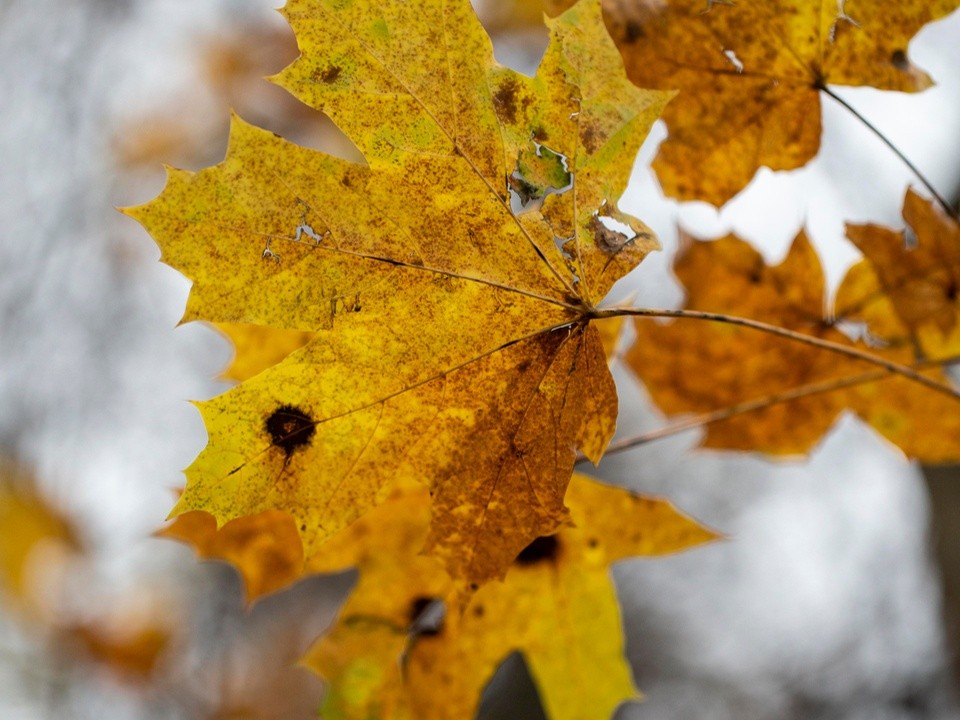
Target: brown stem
{"type": "Point", "coordinates": [796, 393]}
{"type": "Point", "coordinates": [888, 365]}
{"type": "Point", "coordinates": [950, 210]}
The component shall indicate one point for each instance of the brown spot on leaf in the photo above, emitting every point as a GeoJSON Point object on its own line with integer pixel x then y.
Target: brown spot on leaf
{"type": "Point", "coordinates": [632, 32]}
{"type": "Point", "coordinates": [590, 138]}
{"type": "Point", "coordinates": [331, 74]}
{"type": "Point", "coordinates": [290, 428]}
{"type": "Point", "coordinates": [609, 241]}
{"type": "Point", "coordinates": [426, 616]}
{"type": "Point", "coordinates": [543, 549]}
{"type": "Point", "coordinates": [505, 100]}
{"type": "Point", "coordinates": [899, 60]}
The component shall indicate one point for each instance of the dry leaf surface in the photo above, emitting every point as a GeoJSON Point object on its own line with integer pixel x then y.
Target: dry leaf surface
{"type": "Point", "coordinates": [393, 654]}
{"type": "Point", "coordinates": [749, 74]}
{"type": "Point", "coordinates": [453, 345]}
{"type": "Point", "coordinates": [695, 367]}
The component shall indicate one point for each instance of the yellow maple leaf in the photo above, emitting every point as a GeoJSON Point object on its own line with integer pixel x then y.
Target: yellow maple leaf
{"type": "Point", "coordinates": [700, 368]}
{"type": "Point", "coordinates": [900, 289]}
{"type": "Point", "coordinates": [453, 341]}
{"type": "Point", "coordinates": [393, 653]}
{"type": "Point", "coordinates": [750, 74]}
{"type": "Point", "coordinates": [257, 347]}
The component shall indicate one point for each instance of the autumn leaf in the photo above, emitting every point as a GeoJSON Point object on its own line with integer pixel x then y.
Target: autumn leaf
{"type": "Point", "coordinates": [914, 284]}
{"type": "Point", "coordinates": [697, 367]}
{"type": "Point", "coordinates": [131, 653]}
{"type": "Point", "coordinates": [453, 345]}
{"type": "Point", "coordinates": [394, 653]}
{"type": "Point", "coordinates": [750, 74]}
{"type": "Point", "coordinates": [36, 538]}
{"type": "Point", "coordinates": [264, 548]}
{"type": "Point", "coordinates": [257, 347]}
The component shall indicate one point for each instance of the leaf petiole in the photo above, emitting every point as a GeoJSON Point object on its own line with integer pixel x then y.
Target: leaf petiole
{"type": "Point", "coordinates": [760, 403]}
{"type": "Point", "coordinates": [888, 365]}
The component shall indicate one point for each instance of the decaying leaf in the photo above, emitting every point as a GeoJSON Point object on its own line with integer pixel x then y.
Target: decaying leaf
{"type": "Point", "coordinates": [395, 653]}
{"type": "Point", "coordinates": [916, 284]}
{"type": "Point", "coordinates": [453, 345]}
{"type": "Point", "coordinates": [749, 74]}
{"type": "Point", "coordinates": [695, 367]}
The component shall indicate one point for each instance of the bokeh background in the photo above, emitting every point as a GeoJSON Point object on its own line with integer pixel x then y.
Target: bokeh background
{"type": "Point", "coordinates": [826, 600]}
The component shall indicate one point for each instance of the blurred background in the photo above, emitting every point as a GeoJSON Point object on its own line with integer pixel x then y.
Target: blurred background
{"type": "Point", "coordinates": [832, 598]}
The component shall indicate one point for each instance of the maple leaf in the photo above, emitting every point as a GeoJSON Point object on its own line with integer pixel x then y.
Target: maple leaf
{"type": "Point", "coordinates": [750, 74]}
{"type": "Point", "coordinates": [453, 343]}
{"type": "Point", "coordinates": [392, 654]}
{"type": "Point", "coordinates": [701, 368]}
{"type": "Point", "coordinates": [264, 548]}
{"type": "Point", "coordinates": [257, 347]}
{"type": "Point", "coordinates": [917, 285]}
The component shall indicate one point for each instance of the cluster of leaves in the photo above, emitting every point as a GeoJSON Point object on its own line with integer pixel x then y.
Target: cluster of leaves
{"type": "Point", "coordinates": [422, 347]}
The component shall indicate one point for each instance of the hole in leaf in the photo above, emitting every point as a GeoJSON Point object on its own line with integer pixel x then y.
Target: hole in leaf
{"type": "Point", "coordinates": [540, 172]}
{"type": "Point", "coordinates": [427, 615]}
{"type": "Point", "coordinates": [899, 60]}
{"type": "Point", "coordinates": [543, 549]}
{"type": "Point", "coordinates": [734, 60]}
{"type": "Point", "coordinates": [610, 234]}
{"type": "Point", "coordinates": [290, 428]}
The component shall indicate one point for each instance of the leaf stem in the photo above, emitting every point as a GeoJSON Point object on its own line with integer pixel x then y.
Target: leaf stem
{"type": "Point", "coordinates": [950, 210]}
{"type": "Point", "coordinates": [888, 365]}
{"type": "Point", "coordinates": [761, 403]}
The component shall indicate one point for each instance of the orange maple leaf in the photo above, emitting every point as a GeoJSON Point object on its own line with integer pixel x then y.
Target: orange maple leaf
{"type": "Point", "coordinates": [750, 74]}
{"type": "Point", "coordinates": [906, 287]}
{"type": "Point", "coordinates": [692, 367]}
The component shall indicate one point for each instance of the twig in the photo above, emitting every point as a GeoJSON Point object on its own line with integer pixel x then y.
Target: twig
{"type": "Point", "coordinates": [893, 367]}
{"type": "Point", "coordinates": [950, 210]}
{"type": "Point", "coordinates": [762, 403]}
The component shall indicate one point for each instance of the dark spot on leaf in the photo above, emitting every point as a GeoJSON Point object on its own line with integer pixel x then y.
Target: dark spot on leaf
{"type": "Point", "coordinates": [290, 428]}
{"type": "Point", "coordinates": [899, 60]}
{"type": "Point", "coordinates": [474, 586]}
{"type": "Point", "coordinates": [609, 241]}
{"type": "Point", "coordinates": [543, 549]}
{"type": "Point", "coordinates": [331, 74]}
{"type": "Point", "coordinates": [590, 138]}
{"type": "Point", "coordinates": [427, 615]}
{"type": "Point", "coordinates": [523, 365]}
{"type": "Point", "coordinates": [303, 528]}
{"type": "Point", "coordinates": [951, 291]}
{"type": "Point", "coordinates": [479, 610]}
{"type": "Point", "coordinates": [505, 101]}
{"type": "Point", "coordinates": [593, 542]}
{"type": "Point", "coordinates": [633, 32]}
